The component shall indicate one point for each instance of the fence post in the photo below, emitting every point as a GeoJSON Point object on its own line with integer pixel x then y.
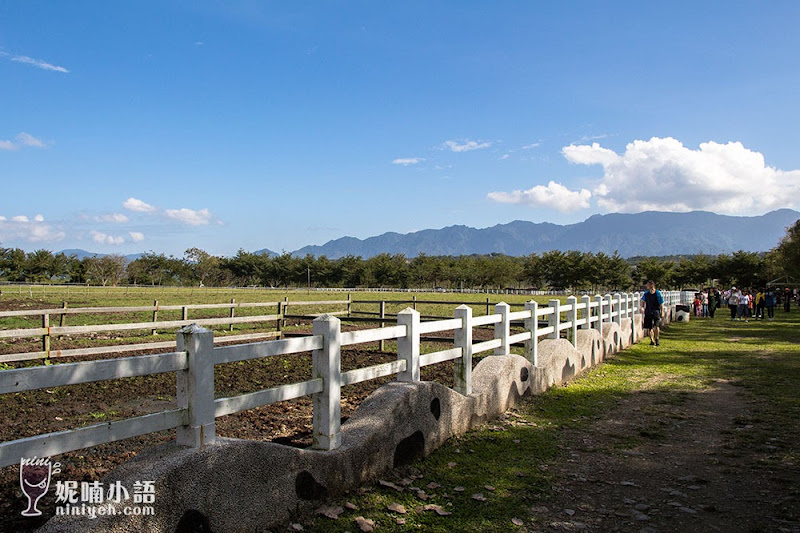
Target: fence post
{"type": "Point", "coordinates": [233, 313]}
{"type": "Point", "coordinates": [502, 330]}
{"type": "Point", "coordinates": [610, 305]}
{"type": "Point", "coordinates": [587, 311]}
{"type": "Point", "coordinates": [532, 325]}
{"type": "Point", "coordinates": [414, 302]}
{"type": "Point", "coordinates": [632, 313]}
{"type": "Point", "coordinates": [618, 298]}
{"type": "Point", "coordinates": [408, 346]}
{"type": "Point", "coordinates": [46, 336]}
{"type": "Point", "coordinates": [283, 315]}
{"type": "Point", "coordinates": [184, 313]}
{"type": "Point", "coordinates": [349, 304]}
{"type": "Point", "coordinates": [155, 315]}
{"type": "Point", "coordinates": [63, 320]}
{"type": "Point", "coordinates": [462, 376]}
{"type": "Point", "coordinates": [572, 314]}
{"type": "Point", "coordinates": [326, 365]}
{"type": "Point", "coordinates": [599, 324]}
{"type": "Point", "coordinates": [195, 386]}
{"type": "Point", "coordinates": [278, 327]}
{"type": "Point", "coordinates": [381, 344]}
{"type": "Point", "coordinates": [554, 319]}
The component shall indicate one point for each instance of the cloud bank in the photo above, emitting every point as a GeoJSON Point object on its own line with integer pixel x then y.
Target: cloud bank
{"type": "Point", "coordinates": [21, 227]}
{"type": "Point", "coordinates": [661, 174]}
{"type": "Point", "coordinates": [554, 196]}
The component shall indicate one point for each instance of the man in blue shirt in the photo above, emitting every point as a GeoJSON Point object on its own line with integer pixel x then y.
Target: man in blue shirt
{"type": "Point", "coordinates": [653, 303]}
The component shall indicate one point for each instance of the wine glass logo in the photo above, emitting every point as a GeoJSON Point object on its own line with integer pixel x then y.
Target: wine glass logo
{"type": "Point", "coordinates": [34, 478]}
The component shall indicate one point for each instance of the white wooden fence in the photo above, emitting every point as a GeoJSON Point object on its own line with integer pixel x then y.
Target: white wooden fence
{"type": "Point", "coordinates": [194, 361]}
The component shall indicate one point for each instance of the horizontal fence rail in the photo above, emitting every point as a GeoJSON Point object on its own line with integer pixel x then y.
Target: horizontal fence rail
{"type": "Point", "coordinates": [47, 331]}
{"type": "Point", "coordinates": [194, 362]}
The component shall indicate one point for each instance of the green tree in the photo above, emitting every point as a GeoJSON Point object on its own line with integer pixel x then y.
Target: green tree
{"type": "Point", "coordinates": [788, 251]}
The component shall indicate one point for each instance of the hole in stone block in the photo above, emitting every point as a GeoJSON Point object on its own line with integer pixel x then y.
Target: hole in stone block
{"type": "Point", "coordinates": [436, 408]}
{"type": "Point", "coordinates": [616, 339]}
{"type": "Point", "coordinates": [193, 521]}
{"type": "Point", "coordinates": [308, 488]}
{"type": "Point", "coordinates": [524, 374]}
{"type": "Point", "coordinates": [409, 449]}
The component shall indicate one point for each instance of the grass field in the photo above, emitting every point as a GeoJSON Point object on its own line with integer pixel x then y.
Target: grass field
{"type": "Point", "coordinates": [50, 297]}
{"type": "Point", "coordinates": [496, 478]}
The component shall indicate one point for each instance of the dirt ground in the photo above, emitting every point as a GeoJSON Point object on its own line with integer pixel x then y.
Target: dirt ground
{"type": "Point", "coordinates": [685, 462]}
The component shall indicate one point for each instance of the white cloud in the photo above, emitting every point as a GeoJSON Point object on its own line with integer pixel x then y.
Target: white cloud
{"type": "Point", "coordinates": [136, 236]}
{"type": "Point", "coordinates": [20, 227]}
{"type": "Point", "coordinates": [554, 196]}
{"type": "Point", "coordinates": [22, 139]}
{"type": "Point", "coordinates": [407, 161]}
{"type": "Point", "coordinates": [465, 146]}
{"type": "Point", "coordinates": [663, 174]}
{"type": "Point", "coordinates": [134, 204]}
{"type": "Point", "coordinates": [532, 145]}
{"type": "Point", "coordinates": [29, 140]}
{"type": "Point", "coordinates": [190, 216]}
{"type": "Point", "coordinates": [102, 238]}
{"type": "Point", "coordinates": [116, 218]}
{"type": "Point", "coordinates": [504, 156]}
{"type": "Point", "coordinates": [38, 63]}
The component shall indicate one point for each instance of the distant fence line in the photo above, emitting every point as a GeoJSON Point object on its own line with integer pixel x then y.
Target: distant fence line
{"type": "Point", "coordinates": [19, 288]}
{"type": "Point", "coordinates": [196, 356]}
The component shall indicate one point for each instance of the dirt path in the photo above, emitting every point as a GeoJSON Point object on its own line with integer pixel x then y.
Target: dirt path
{"type": "Point", "coordinates": [673, 461]}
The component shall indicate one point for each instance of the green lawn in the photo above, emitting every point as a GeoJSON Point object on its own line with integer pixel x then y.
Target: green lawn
{"type": "Point", "coordinates": [507, 462]}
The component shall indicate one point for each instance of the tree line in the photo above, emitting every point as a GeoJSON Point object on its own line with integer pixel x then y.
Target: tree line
{"type": "Point", "coordinates": [550, 270]}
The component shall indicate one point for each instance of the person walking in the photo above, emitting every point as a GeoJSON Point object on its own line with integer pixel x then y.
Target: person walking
{"type": "Point", "coordinates": [653, 309]}
{"type": "Point", "coordinates": [717, 302]}
{"type": "Point", "coordinates": [760, 304]}
{"type": "Point", "coordinates": [770, 301]}
{"type": "Point", "coordinates": [704, 300]}
{"type": "Point", "coordinates": [787, 300]}
{"type": "Point", "coordinates": [733, 301]}
{"type": "Point", "coordinates": [744, 306]}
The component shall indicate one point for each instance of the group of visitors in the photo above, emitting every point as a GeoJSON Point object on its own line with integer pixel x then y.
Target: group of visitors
{"type": "Point", "coordinates": [706, 302]}
{"type": "Point", "coordinates": [745, 304]}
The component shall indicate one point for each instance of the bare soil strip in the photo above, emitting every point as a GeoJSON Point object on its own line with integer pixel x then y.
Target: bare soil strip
{"type": "Point", "coordinates": [673, 461]}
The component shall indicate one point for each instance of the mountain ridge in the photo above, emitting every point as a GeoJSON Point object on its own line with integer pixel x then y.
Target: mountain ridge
{"type": "Point", "coordinates": [652, 233]}
{"type": "Point", "coordinates": [649, 233]}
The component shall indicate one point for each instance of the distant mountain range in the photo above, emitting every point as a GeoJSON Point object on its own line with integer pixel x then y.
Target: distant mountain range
{"type": "Point", "coordinates": [651, 233]}
{"type": "Point", "coordinates": [80, 254]}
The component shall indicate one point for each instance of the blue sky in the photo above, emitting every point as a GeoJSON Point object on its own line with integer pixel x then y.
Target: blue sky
{"type": "Point", "coordinates": [160, 126]}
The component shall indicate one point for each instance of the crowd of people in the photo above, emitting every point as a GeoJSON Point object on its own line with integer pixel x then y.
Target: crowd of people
{"type": "Point", "coordinates": [745, 304]}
